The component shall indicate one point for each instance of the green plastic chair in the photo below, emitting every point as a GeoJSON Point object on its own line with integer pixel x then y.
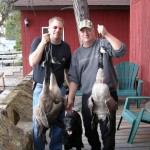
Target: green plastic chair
{"type": "Point", "coordinates": [129, 84]}
{"type": "Point", "coordinates": [133, 117]}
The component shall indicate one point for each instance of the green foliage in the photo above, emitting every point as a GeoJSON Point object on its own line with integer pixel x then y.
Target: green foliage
{"type": "Point", "coordinates": [1, 7]}
{"type": "Point", "coordinates": [19, 63]}
{"type": "Point", "coordinates": [5, 10]}
{"type": "Point", "coordinates": [13, 29]}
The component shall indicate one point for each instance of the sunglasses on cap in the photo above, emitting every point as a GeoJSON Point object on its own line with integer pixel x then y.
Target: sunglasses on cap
{"type": "Point", "coordinates": [55, 27]}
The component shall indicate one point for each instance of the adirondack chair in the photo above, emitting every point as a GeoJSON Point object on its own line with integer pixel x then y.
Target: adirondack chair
{"type": "Point", "coordinates": [134, 117]}
{"type": "Point", "coordinates": [129, 84]}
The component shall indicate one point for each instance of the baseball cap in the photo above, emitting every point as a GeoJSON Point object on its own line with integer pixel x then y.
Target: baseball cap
{"type": "Point", "coordinates": [85, 24]}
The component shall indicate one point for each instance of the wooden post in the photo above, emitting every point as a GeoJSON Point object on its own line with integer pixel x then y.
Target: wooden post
{"type": "Point", "coordinates": [81, 12]}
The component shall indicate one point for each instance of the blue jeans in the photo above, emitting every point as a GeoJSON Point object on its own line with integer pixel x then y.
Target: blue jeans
{"type": "Point", "coordinates": [56, 132]}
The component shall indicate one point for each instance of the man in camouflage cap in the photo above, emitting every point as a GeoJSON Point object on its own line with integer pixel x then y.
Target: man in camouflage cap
{"type": "Point", "coordinates": [82, 73]}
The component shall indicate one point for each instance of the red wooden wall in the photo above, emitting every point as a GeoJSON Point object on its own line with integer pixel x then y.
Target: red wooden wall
{"type": "Point", "coordinates": [140, 39]}
{"type": "Point", "coordinates": [116, 22]}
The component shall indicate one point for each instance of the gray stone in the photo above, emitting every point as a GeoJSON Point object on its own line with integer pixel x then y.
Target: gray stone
{"type": "Point", "coordinates": [12, 137]}
{"type": "Point", "coordinates": [19, 101]}
{"type": "Point", "coordinates": [3, 112]}
{"type": "Point", "coordinates": [25, 86]}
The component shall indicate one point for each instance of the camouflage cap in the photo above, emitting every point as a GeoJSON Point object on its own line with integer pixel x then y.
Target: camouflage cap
{"type": "Point", "coordinates": [85, 24]}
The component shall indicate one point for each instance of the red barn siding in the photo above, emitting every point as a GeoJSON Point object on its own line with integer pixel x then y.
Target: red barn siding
{"type": "Point", "coordinates": [116, 21]}
{"type": "Point", "coordinates": [38, 20]}
{"type": "Point", "coordinates": [62, 3]}
{"type": "Point", "coordinates": [140, 39]}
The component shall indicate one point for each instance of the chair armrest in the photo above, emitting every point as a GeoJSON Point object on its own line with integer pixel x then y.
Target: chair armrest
{"type": "Point", "coordinates": [139, 86]}
{"type": "Point", "coordinates": [135, 98]}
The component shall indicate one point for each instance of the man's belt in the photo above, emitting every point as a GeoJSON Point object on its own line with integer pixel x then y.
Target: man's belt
{"type": "Point", "coordinates": [39, 86]}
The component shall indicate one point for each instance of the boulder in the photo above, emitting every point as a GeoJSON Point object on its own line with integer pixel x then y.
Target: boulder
{"type": "Point", "coordinates": [3, 112]}
{"type": "Point", "coordinates": [19, 105]}
{"type": "Point", "coordinates": [25, 85]}
{"type": "Point", "coordinates": [12, 137]}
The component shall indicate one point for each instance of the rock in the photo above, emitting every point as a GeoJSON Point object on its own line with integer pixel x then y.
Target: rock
{"type": "Point", "coordinates": [12, 137]}
{"type": "Point", "coordinates": [3, 112]}
{"type": "Point", "coordinates": [25, 86]}
{"type": "Point", "coordinates": [19, 105]}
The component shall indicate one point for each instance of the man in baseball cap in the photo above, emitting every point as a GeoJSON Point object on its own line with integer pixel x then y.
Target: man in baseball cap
{"type": "Point", "coordinates": [83, 70]}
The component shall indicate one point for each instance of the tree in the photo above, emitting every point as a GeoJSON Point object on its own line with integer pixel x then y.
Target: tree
{"type": "Point", "coordinates": [5, 9]}
{"type": "Point", "coordinates": [13, 28]}
{"type": "Point", "coordinates": [81, 11]}
{"type": "Point", "coordinates": [10, 22]}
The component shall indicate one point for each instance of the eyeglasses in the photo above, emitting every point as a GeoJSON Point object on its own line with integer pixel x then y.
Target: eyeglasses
{"type": "Point", "coordinates": [55, 27]}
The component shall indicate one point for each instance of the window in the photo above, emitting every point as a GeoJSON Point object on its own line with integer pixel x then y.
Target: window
{"type": "Point", "coordinates": [45, 30]}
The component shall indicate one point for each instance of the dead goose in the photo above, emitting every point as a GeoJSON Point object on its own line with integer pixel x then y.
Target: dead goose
{"type": "Point", "coordinates": [100, 92]}
{"type": "Point", "coordinates": [50, 103]}
{"type": "Point", "coordinates": [54, 89]}
{"type": "Point", "coordinates": [100, 102]}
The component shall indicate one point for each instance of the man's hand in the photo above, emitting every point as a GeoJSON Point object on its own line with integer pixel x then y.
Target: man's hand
{"type": "Point", "coordinates": [45, 38]}
{"type": "Point", "coordinates": [101, 30]}
{"type": "Point", "coordinates": [69, 106]}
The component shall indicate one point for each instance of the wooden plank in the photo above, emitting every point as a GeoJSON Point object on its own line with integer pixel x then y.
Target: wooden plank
{"type": "Point", "coordinates": [69, 2]}
{"type": "Point", "coordinates": [8, 56]}
{"type": "Point", "coordinates": [2, 85]}
{"type": "Point", "coordinates": [147, 106]}
{"type": "Point", "coordinates": [10, 70]}
{"type": "Point", "coordinates": [9, 61]}
{"type": "Point", "coordinates": [1, 74]}
{"type": "Point", "coordinates": [12, 81]}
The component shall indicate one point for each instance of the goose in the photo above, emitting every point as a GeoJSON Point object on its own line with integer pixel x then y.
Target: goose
{"type": "Point", "coordinates": [100, 99]}
{"type": "Point", "coordinates": [54, 89]}
{"type": "Point", "coordinates": [51, 103]}
{"type": "Point", "coordinates": [100, 93]}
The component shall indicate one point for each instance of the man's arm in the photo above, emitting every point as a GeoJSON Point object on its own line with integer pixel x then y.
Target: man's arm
{"type": "Point", "coordinates": [72, 91]}
{"type": "Point", "coordinates": [116, 43]}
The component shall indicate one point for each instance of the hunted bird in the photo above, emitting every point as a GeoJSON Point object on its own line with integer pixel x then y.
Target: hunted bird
{"type": "Point", "coordinates": [100, 93]}
{"type": "Point", "coordinates": [51, 102]}
{"type": "Point", "coordinates": [101, 103]}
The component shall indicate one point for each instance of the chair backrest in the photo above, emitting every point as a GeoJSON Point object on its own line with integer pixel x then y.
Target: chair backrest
{"type": "Point", "coordinates": [126, 74]}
